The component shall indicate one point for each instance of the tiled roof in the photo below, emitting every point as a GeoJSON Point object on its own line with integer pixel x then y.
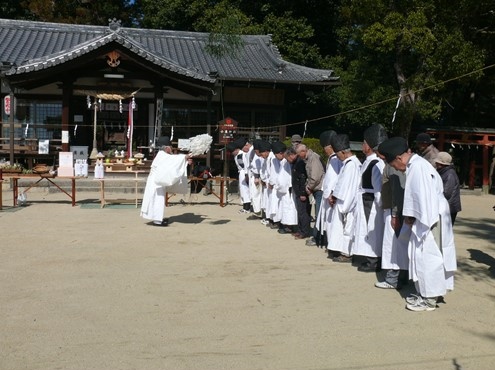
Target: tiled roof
{"type": "Point", "coordinates": [34, 46]}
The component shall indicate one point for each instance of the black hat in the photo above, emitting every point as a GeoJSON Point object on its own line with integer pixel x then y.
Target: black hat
{"type": "Point", "coordinates": [240, 142]}
{"type": "Point", "coordinates": [256, 144]}
{"type": "Point", "coordinates": [393, 147]}
{"type": "Point", "coordinates": [326, 138]}
{"type": "Point", "coordinates": [340, 142]}
{"type": "Point", "coordinates": [278, 147]}
{"type": "Point", "coordinates": [375, 135]}
{"type": "Point", "coordinates": [263, 146]}
{"type": "Point", "coordinates": [423, 138]}
{"type": "Point", "coordinates": [163, 141]}
{"type": "Point", "coordinates": [231, 146]}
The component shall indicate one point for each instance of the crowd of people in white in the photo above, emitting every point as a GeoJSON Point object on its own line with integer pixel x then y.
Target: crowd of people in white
{"type": "Point", "coordinates": [392, 210]}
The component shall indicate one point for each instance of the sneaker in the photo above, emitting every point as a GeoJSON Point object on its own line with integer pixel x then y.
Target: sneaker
{"type": "Point", "coordinates": [343, 259]}
{"type": "Point", "coordinates": [311, 242]}
{"type": "Point", "coordinates": [384, 285]}
{"type": "Point", "coordinates": [252, 217]}
{"type": "Point", "coordinates": [421, 305]}
{"type": "Point", "coordinates": [242, 210]}
{"type": "Point", "coordinates": [413, 298]}
{"type": "Point", "coordinates": [274, 226]}
{"type": "Point", "coordinates": [265, 222]}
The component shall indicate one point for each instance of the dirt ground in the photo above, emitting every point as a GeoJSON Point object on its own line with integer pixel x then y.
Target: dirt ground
{"type": "Point", "coordinates": [90, 288]}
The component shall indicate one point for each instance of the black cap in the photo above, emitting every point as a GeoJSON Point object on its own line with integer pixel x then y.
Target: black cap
{"type": "Point", "coordinates": [375, 135]}
{"type": "Point", "coordinates": [264, 146]}
{"type": "Point", "coordinates": [326, 138]}
{"type": "Point", "coordinates": [240, 142]}
{"type": "Point", "coordinates": [231, 146]}
{"type": "Point", "coordinates": [340, 142]}
{"type": "Point", "coordinates": [163, 141]}
{"type": "Point", "coordinates": [423, 138]}
{"type": "Point", "coordinates": [278, 147]}
{"type": "Point", "coordinates": [393, 147]}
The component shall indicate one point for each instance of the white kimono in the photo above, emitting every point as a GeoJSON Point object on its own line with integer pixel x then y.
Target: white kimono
{"type": "Point", "coordinates": [368, 237]}
{"type": "Point", "coordinates": [394, 249]}
{"type": "Point", "coordinates": [431, 266]}
{"type": "Point", "coordinates": [153, 205]}
{"type": "Point", "coordinates": [287, 205]}
{"type": "Point", "coordinates": [240, 161]}
{"type": "Point", "coordinates": [340, 231]}
{"type": "Point", "coordinates": [264, 176]}
{"type": "Point", "coordinates": [255, 190]}
{"type": "Point", "coordinates": [331, 175]}
{"type": "Point", "coordinates": [276, 169]}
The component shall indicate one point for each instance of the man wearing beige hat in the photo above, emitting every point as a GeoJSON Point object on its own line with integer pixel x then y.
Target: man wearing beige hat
{"type": "Point", "coordinates": [451, 185]}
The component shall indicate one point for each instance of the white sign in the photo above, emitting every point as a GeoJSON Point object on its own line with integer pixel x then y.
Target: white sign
{"type": "Point", "coordinates": [65, 137]}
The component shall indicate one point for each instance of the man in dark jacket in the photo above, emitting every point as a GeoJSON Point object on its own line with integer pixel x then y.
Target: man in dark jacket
{"type": "Point", "coordinates": [451, 185]}
{"type": "Point", "coordinates": [303, 206]}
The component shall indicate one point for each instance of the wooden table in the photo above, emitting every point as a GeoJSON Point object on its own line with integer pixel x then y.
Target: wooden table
{"type": "Point", "coordinates": [104, 200]}
{"type": "Point", "coordinates": [47, 177]}
{"type": "Point", "coordinates": [216, 181]}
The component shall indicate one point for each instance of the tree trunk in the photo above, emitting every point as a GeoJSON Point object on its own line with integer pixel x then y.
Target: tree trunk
{"type": "Point", "coordinates": [406, 111]}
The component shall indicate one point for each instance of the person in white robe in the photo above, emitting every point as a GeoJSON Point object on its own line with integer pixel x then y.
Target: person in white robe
{"type": "Point", "coordinates": [369, 212]}
{"type": "Point", "coordinates": [340, 231]}
{"type": "Point", "coordinates": [277, 184]}
{"type": "Point", "coordinates": [174, 166]}
{"type": "Point", "coordinates": [239, 149]}
{"type": "Point", "coordinates": [261, 179]}
{"type": "Point", "coordinates": [396, 233]}
{"type": "Point", "coordinates": [255, 185]}
{"type": "Point", "coordinates": [266, 169]}
{"type": "Point", "coordinates": [432, 257]}
{"type": "Point", "coordinates": [331, 174]}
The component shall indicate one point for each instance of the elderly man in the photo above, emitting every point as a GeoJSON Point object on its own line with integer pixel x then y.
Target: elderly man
{"type": "Point", "coordinates": [425, 148]}
{"type": "Point", "coordinates": [153, 205]}
{"type": "Point", "coordinates": [296, 140]}
{"type": "Point", "coordinates": [426, 211]}
{"type": "Point", "coordinates": [315, 175]}
{"type": "Point", "coordinates": [340, 232]}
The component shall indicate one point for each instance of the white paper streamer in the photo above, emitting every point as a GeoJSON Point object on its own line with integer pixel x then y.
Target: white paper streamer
{"type": "Point", "coordinates": [395, 111]}
{"type": "Point", "coordinates": [305, 126]}
{"type": "Point", "coordinates": [200, 144]}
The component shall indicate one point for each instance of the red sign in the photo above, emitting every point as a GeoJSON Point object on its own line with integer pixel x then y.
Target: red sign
{"type": "Point", "coordinates": [6, 104]}
{"type": "Point", "coordinates": [227, 130]}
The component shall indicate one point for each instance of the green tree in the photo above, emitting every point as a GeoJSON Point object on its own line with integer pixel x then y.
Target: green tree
{"type": "Point", "coordinates": [94, 12]}
{"type": "Point", "coordinates": [417, 44]}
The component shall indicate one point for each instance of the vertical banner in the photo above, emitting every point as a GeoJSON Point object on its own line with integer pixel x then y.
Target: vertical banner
{"type": "Point", "coordinates": [130, 127]}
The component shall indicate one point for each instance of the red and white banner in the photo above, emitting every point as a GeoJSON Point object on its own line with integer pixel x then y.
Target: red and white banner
{"type": "Point", "coordinates": [130, 128]}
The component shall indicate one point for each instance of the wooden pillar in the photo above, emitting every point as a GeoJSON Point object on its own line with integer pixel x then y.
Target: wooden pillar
{"type": "Point", "coordinates": [208, 129]}
{"type": "Point", "coordinates": [486, 170]}
{"type": "Point", "coordinates": [67, 92]}
{"type": "Point", "coordinates": [11, 130]}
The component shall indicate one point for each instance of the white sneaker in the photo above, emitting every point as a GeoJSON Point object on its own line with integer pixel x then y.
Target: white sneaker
{"type": "Point", "coordinates": [265, 222]}
{"type": "Point", "coordinates": [384, 285]}
{"type": "Point", "coordinates": [413, 298]}
{"type": "Point", "coordinates": [421, 305]}
{"type": "Point", "coordinates": [242, 210]}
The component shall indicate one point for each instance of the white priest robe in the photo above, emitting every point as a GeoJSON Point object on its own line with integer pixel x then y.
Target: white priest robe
{"type": "Point", "coordinates": [153, 205]}
{"type": "Point", "coordinates": [340, 231]}
{"type": "Point", "coordinates": [264, 177]}
{"type": "Point", "coordinates": [369, 230]}
{"type": "Point", "coordinates": [331, 174]}
{"type": "Point", "coordinates": [432, 261]}
{"type": "Point", "coordinates": [241, 162]}
{"type": "Point", "coordinates": [287, 205]}
{"type": "Point", "coordinates": [255, 189]}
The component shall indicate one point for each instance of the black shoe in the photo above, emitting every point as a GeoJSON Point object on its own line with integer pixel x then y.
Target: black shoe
{"type": "Point", "coordinates": [368, 268]}
{"type": "Point", "coordinates": [285, 230]}
{"type": "Point", "coordinates": [163, 223]}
